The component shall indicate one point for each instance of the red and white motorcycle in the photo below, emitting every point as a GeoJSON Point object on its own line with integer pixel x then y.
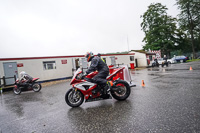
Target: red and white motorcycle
{"type": "Point", "coordinates": [83, 89]}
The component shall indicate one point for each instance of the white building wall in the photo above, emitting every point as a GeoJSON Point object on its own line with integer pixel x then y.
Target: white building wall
{"type": "Point", "coordinates": [141, 59]}
{"type": "Point", "coordinates": [35, 68]}
{"type": "Point", "coordinates": [31, 67]}
{"type": "Point", "coordinates": [125, 59]}
{"type": "Point", "coordinates": [61, 71]}
{"type": "Point", "coordinates": [120, 59]}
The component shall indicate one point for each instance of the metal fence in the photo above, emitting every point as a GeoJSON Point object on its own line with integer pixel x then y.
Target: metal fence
{"type": "Point", "coordinates": [4, 80]}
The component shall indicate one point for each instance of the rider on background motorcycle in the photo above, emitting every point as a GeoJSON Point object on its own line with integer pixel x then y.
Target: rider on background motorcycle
{"type": "Point", "coordinates": [165, 58]}
{"type": "Point", "coordinates": [103, 71]}
{"type": "Point", "coordinates": [26, 77]}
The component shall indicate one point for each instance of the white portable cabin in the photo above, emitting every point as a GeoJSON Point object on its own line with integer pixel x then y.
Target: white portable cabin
{"type": "Point", "coordinates": [118, 59]}
{"type": "Point", "coordinates": [143, 58]}
{"type": "Point", "coordinates": [45, 68]}
{"type": "Point", "coordinates": [55, 67]}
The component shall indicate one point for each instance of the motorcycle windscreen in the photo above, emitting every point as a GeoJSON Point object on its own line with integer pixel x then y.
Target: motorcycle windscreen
{"type": "Point", "coordinates": [127, 76]}
{"type": "Point", "coordinates": [78, 70]}
{"type": "Point", "coordinates": [126, 73]}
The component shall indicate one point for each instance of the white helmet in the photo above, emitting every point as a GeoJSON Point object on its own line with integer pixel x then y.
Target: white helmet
{"type": "Point", "coordinates": [22, 73]}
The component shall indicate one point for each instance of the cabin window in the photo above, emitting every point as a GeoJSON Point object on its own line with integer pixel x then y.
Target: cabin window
{"type": "Point", "coordinates": [131, 58]}
{"type": "Point", "coordinates": [48, 65]}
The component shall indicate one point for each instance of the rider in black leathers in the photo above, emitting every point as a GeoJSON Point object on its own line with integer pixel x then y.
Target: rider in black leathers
{"type": "Point", "coordinates": [99, 65]}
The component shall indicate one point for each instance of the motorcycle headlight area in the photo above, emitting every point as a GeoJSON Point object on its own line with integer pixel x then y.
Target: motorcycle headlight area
{"type": "Point", "coordinates": [79, 76]}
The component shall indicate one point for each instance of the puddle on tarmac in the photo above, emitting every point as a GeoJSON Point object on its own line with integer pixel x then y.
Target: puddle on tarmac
{"type": "Point", "coordinates": [175, 69]}
{"type": "Point", "coordinates": [153, 69]}
{"type": "Point", "coordinates": [164, 69]}
{"type": "Point", "coordinates": [152, 74]}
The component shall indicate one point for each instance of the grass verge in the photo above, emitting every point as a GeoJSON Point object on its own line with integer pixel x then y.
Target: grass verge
{"type": "Point", "coordinates": [193, 60]}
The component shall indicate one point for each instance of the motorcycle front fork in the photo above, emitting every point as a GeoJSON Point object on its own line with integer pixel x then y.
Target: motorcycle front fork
{"type": "Point", "coordinates": [74, 92]}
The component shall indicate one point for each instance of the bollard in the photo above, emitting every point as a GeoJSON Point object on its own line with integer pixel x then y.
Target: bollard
{"type": "Point", "coordinates": [190, 68]}
{"type": "Point", "coordinates": [143, 85]}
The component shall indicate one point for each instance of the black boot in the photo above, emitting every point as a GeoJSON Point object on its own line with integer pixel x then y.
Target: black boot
{"type": "Point", "coordinates": [105, 94]}
{"type": "Point", "coordinates": [105, 90]}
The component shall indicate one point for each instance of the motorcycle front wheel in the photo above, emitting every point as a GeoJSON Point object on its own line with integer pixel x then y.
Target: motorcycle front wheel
{"type": "Point", "coordinates": [74, 98]}
{"type": "Point", "coordinates": [121, 90]}
{"type": "Point", "coordinates": [17, 90]}
{"type": "Point", "coordinates": [36, 87]}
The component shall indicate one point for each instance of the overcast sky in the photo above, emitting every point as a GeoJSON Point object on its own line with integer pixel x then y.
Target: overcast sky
{"type": "Point", "coordinates": [34, 28]}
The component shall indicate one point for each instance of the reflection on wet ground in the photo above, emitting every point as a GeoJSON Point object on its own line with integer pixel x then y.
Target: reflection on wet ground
{"type": "Point", "coordinates": [107, 118]}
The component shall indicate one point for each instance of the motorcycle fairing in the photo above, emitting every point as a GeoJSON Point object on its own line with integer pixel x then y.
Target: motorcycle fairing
{"type": "Point", "coordinates": [86, 92]}
{"type": "Point", "coordinates": [114, 73]}
{"type": "Point", "coordinates": [35, 79]}
{"type": "Point", "coordinates": [86, 83]}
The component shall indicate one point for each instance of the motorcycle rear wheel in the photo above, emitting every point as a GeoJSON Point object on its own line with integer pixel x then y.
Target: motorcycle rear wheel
{"type": "Point", "coordinates": [17, 90]}
{"type": "Point", "coordinates": [123, 90]}
{"type": "Point", "coordinates": [36, 87]}
{"type": "Point", "coordinates": [74, 98]}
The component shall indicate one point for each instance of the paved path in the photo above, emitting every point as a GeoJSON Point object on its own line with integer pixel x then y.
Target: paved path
{"type": "Point", "coordinates": [169, 102]}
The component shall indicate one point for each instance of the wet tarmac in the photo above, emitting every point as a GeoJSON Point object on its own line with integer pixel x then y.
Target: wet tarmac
{"type": "Point", "coordinates": [169, 103]}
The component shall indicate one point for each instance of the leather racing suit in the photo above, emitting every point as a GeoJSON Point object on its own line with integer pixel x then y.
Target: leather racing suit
{"type": "Point", "coordinates": [103, 70]}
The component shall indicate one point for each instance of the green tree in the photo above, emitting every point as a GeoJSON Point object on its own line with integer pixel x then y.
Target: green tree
{"type": "Point", "coordinates": [160, 29]}
{"type": "Point", "coordinates": [189, 21]}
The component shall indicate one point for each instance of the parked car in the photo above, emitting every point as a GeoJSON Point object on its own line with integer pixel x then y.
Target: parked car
{"type": "Point", "coordinates": [180, 58]}
{"type": "Point", "coordinates": [160, 61]}
{"type": "Point", "coordinates": [171, 61]}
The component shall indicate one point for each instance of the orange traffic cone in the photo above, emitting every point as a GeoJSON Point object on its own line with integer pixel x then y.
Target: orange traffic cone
{"type": "Point", "coordinates": [143, 85]}
{"type": "Point", "coordinates": [190, 68]}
